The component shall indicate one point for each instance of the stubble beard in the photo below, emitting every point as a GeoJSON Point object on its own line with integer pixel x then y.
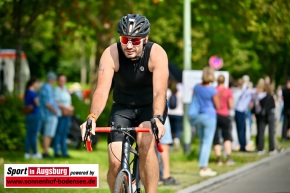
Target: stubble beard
{"type": "Point", "coordinates": [133, 56]}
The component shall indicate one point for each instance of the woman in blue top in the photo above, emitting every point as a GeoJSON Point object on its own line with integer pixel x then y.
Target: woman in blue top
{"type": "Point", "coordinates": [205, 123]}
{"type": "Point", "coordinates": [32, 120]}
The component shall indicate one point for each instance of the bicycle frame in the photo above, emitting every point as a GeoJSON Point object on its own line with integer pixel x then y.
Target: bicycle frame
{"type": "Point", "coordinates": [125, 162]}
{"type": "Point", "coordinates": [126, 148]}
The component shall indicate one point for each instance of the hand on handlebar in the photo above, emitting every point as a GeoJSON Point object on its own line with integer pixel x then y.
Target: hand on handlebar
{"type": "Point", "coordinates": [87, 129]}
{"type": "Point", "coordinates": [161, 128]}
{"type": "Point", "coordinates": [155, 131]}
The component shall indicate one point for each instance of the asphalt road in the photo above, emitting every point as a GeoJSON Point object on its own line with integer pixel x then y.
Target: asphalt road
{"type": "Point", "coordinates": [270, 177]}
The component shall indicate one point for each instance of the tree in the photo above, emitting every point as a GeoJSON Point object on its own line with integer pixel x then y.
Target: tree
{"type": "Point", "coordinates": [24, 14]}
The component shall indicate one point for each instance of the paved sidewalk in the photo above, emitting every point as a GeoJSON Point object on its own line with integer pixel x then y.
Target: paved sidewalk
{"type": "Point", "coordinates": [217, 181]}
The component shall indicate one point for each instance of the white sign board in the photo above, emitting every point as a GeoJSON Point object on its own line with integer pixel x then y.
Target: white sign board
{"type": "Point", "coordinates": [192, 77]}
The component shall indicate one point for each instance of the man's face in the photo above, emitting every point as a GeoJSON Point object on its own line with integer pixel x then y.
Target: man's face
{"type": "Point", "coordinates": [132, 46]}
{"type": "Point", "coordinates": [62, 81]}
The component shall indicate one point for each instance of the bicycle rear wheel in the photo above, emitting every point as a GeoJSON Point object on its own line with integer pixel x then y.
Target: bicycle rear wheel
{"type": "Point", "coordinates": [121, 184]}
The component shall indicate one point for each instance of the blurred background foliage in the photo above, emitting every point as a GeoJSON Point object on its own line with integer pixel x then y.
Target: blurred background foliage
{"type": "Point", "coordinates": [12, 125]}
{"type": "Point", "coordinates": [252, 36]}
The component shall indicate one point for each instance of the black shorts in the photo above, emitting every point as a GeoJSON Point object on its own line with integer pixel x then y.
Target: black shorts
{"type": "Point", "coordinates": [223, 125]}
{"type": "Point", "coordinates": [127, 116]}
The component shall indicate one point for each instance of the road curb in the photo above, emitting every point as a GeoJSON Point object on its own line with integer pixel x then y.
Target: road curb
{"type": "Point", "coordinates": [216, 180]}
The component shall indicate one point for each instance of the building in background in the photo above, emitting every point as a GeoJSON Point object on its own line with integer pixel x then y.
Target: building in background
{"type": "Point", "coordinates": [7, 70]}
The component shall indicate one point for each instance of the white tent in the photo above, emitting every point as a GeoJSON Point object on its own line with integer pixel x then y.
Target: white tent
{"type": "Point", "coordinates": [7, 70]}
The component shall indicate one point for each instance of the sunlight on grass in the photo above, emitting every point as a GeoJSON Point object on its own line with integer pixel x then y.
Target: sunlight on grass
{"type": "Point", "coordinates": [183, 167]}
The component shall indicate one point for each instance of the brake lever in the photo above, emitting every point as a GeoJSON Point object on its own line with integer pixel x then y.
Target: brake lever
{"type": "Point", "coordinates": [87, 139]}
{"type": "Point", "coordinates": [155, 133]}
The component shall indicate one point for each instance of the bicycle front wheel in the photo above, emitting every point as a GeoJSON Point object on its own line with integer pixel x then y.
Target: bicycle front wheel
{"type": "Point", "coordinates": [121, 184]}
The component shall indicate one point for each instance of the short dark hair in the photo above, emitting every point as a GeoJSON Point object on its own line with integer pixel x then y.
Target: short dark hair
{"type": "Point", "coordinates": [60, 75]}
{"type": "Point", "coordinates": [30, 82]}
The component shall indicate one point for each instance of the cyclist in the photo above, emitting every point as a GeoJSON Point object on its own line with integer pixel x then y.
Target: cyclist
{"type": "Point", "coordinates": [139, 72]}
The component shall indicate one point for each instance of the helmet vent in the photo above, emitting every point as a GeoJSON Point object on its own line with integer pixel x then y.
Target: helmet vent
{"type": "Point", "coordinates": [134, 25]}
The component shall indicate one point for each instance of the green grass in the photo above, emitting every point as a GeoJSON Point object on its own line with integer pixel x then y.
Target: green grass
{"type": "Point", "coordinates": [183, 167]}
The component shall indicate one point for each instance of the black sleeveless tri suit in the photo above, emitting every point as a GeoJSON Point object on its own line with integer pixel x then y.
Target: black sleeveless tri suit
{"type": "Point", "coordinates": [133, 92]}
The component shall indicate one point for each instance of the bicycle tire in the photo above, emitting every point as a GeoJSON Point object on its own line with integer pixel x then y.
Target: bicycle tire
{"type": "Point", "coordinates": [121, 184]}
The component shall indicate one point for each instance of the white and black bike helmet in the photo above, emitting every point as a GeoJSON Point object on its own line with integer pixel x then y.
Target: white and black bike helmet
{"type": "Point", "coordinates": [140, 25]}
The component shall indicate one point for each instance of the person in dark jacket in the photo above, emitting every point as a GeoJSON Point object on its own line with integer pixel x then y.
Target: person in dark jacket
{"type": "Point", "coordinates": [264, 110]}
{"type": "Point", "coordinates": [286, 111]}
{"type": "Point", "coordinates": [32, 120]}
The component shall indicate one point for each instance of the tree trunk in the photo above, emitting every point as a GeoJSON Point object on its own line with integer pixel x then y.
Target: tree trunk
{"type": "Point", "coordinates": [17, 13]}
{"type": "Point", "coordinates": [83, 62]}
{"type": "Point", "coordinates": [273, 71]}
{"type": "Point", "coordinates": [92, 68]}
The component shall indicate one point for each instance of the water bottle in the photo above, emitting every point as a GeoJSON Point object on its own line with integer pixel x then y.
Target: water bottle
{"type": "Point", "coordinates": [134, 187]}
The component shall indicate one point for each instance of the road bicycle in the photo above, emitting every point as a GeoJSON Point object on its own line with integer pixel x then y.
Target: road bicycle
{"type": "Point", "coordinates": [129, 172]}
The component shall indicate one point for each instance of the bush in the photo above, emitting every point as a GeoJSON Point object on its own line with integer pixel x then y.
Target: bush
{"type": "Point", "coordinates": [12, 121]}
{"type": "Point", "coordinates": [12, 125]}
{"type": "Point", "coordinates": [82, 110]}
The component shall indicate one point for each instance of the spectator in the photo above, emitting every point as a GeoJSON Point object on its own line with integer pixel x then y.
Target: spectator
{"type": "Point", "coordinates": [205, 123]}
{"type": "Point", "coordinates": [49, 112]}
{"type": "Point", "coordinates": [223, 122]}
{"type": "Point", "coordinates": [249, 85]}
{"type": "Point", "coordinates": [269, 85]}
{"type": "Point", "coordinates": [286, 111]}
{"type": "Point", "coordinates": [267, 80]}
{"type": "Point", "coordinates": [249, 121]}
{"type": "Point", "coordinates": [264, 109]}
{"type": "Point", "coordinates": [241, 107]}
{"type": "Point", "coordinates": [258, 94]}
{"type": "Point", "coordinates": [235, 87]}
{"type": "Point", "coordinates": [279, 104]}
{"type": "Point", "coordinates": [165, 141]}
{"type": "Point", "coordinates": [76, 89]}
{"type": "Point", "coordinates": [32, 120]}
{"type": "Point", "coordinates": [176, 114]}
{"type": "Point", "coordinates": [63, 99]}
{"type": "Point", "coordinates": [278, 113]}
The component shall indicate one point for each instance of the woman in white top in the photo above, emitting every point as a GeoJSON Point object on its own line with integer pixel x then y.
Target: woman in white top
{"type": "Point", "coordinates": [63, 99]}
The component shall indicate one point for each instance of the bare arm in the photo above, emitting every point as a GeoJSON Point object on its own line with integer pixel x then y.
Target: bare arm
{"type": "Point", "coordinates": [105, 75]}
{"type": "Point", "coordinates": [231, 103]}
{"type": "Point", "coordinates": [231, 100]}
{"type": "Point", "coordinates": [51, 108]}
{"type": "Point", "coordinates": [36, 101]}
{"type": "Point", "coordinates": [159, 66]}
{"type": "Point", "coordinates": [216, 101]}
{"type": "Point", "coordinates": [101, 93]}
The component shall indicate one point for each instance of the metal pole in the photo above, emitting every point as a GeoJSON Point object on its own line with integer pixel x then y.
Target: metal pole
{"type": "Point", "coordinates": [187, 35]}
{"type": "Point", "coordinates": [187, 133]}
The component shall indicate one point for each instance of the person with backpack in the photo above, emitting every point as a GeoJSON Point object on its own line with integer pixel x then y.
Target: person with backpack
{"type": "Point", "coordinates": [175, 111]}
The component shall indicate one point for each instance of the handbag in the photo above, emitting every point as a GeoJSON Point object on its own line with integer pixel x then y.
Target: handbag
{"type": "Point", "coordinates": [194, 107]}
{"type": "Point", "coordinates": [27, 109]}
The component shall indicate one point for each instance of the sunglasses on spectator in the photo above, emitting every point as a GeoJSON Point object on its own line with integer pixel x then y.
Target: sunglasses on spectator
{"type": "Point", "coordinates": [134, 41]}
